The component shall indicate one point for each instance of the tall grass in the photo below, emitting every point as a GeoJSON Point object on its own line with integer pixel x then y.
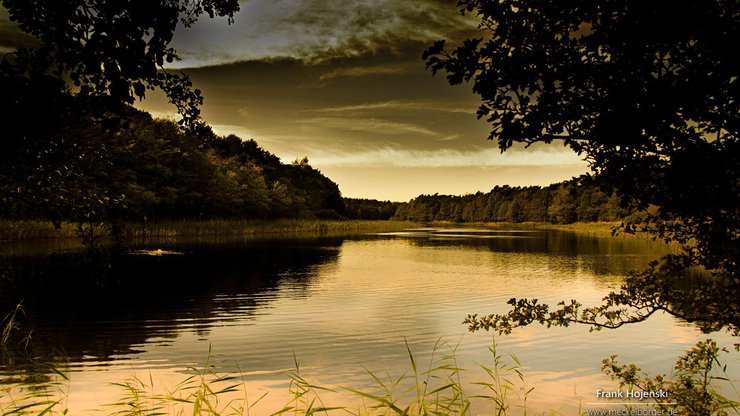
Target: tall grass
{"type": "Point", "coordinates": [435, 388]}
{"type": "Point", "coordinates": [212, 228]}
{"type": "Point", "coordinates": [596, 229]}
{"type": "Point", "coordinates": [606, 230]}
{"type": "Point", "coordinates": [34, 230]}
{"type": "Point", "coordinates": [258, 228]}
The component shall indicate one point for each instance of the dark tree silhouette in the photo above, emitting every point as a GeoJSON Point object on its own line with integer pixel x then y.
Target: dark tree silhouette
{"type": "Point", "coordinates": [114, 48]}
{"type": "Point", "coordinates": [648, 93]}
{"type": "Point", "coordinates": [72, 148]}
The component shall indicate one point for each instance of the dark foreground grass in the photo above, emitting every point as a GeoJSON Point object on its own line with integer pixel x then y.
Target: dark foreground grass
{"type": "Point", "coordinates": [433, 388]}
{"type": "Point", "coordinates": [430, 388]}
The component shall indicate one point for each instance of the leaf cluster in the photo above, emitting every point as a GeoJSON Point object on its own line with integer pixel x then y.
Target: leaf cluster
{"type": "Point", "coordinates": [711, 303]}
{"type": "Point", "coordinates": [691, 389]}
{"type": "Point", "coordinates": [648, 94]}
{"type": "Point", "coordinates": [113, 48]}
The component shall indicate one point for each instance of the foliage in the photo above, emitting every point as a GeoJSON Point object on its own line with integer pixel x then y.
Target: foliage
{"type": "Point", "coordinates": [112, 48]}
{"type": "Point", "coordinates": [73, 149]}
{"type": "Point", "coordinates": [647, 92]}
{"type": "Point", "coordinates": [369, 209]}
{"type": "Point", "coordinates": [662, 287]}
{"type": "Point", "coordinates": [79, 170]}
{"type": "Point", "coordinates": [691, 387]}
{"type": "Point", "coordinates": [580, 199]}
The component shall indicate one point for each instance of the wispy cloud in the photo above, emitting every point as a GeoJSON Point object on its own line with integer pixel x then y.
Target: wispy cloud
{"type": "Point", "coordinates": [363, 71]}
{"type": "Point", "coordinates": [488, 157]}
{"type": "Point", "coordinates": [401, 105]}
{"type": "Point", "coordinates": [241, 131]}
{"type": "Point", "coordinates": [370, 125]}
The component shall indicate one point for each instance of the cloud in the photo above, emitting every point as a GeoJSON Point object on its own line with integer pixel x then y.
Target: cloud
{"type": "Point", "coordinates": [401, 105]}
{"type": "Point", "coordinates": [362, 71]}
{"type": "Point", "coordinates": [316, 31]}
{"type": "Point", "coordinates": [486, 157]}
{"type": "Point", "coordinates": [240, 131]}
{"type": "Point", "coordinates": [309, 30]}
{"type": "Point", "coordinates": [370, 125]}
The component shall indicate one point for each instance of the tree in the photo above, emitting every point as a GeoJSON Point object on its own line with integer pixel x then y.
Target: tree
{"type": "Point", "coordinates": [562, 209]}
{"type": "Point", "coordinates": [112, 48]}
{"type": "Point", "coordinates": [66, 101]}
{"type": "Point", "coordinates": [648, 93]}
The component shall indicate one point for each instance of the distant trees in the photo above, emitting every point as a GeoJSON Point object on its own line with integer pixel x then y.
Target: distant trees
{"type": "Point", "coordinates": [577, 200]}
{"type": "Point", "coordinates": [370, 209]}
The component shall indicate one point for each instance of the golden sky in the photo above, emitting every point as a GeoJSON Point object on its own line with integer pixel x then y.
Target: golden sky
{"type": "Point", "coordinates": [344, 84]}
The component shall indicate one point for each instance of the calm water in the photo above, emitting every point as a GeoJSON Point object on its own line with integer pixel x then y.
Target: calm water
{"type": "Point", "coordinates": [341, 305]}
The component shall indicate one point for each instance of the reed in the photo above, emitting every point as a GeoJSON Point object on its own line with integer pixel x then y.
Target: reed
{"type": "Point", "coordinates": [423, 390]}
{"type": "Point", "coordinates": [595, 229]}
{"type": "Point", "coordinates": [258, 228]}
{"type": "Point", "coordinates": [242, 228]}
{"type": "Point", "coordinates": [431, 389]}
{"type": "Point", "coordinates": [607, 230]}
{"type": "Point", "coordinates": [34, 230]}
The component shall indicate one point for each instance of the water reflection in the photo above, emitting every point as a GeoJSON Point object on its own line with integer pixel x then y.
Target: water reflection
{"type": "Point", "coordinates": [141, 298]}
{"type": "Point", "coordinates": [593, 252]}
{"type": "Point", "coordinates": [339, 304]}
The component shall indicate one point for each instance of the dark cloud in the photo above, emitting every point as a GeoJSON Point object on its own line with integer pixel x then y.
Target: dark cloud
{"type": "Point", "coordinates": [314, 31]}
{"type": "Point", "coordinates": [351, 28]}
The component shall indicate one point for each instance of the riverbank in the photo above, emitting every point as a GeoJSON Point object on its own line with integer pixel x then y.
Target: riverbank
{"type": "Point", "coordinates": [23, 232]}
{"type": "Point", "coordinates": [42, 230]}
{"type": "Point", "coordinates": [595, 229]}
{"type": "Point", "coordinates": [607, 230]}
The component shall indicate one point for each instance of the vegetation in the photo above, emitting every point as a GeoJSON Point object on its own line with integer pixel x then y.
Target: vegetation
{"type": "Point", "coordinates": [691, 385]}
{"type": "Point", "coordinates": [115, 50]}
{"type": "Point", "coordinates": [152, 170]}
{"type": "Point", "coordinates": [580, 199]}
{"type": "Point", "coordinates": [218, 228]}
{"type": "Point", "coordinates": [434, 389]}
{"type": "Point", "coordinates": [647, 92]}
{"type": "Point", "coordinates": [370, 209]}
{"type": "Point", "coordinates": [654, 110]}
{"type": "Point", "coordinates": [73, 149]}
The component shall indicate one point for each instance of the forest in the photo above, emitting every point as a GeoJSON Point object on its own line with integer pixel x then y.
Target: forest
{"type": "Point", "coordinates": [114, 163]}
{"type": "Point", "coordinates": [140, 169]}
{"type": "Point", "coordinates": [582, 199]}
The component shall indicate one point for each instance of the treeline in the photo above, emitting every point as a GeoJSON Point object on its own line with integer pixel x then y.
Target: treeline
{"type": "Point", "coordinates": [581, 199]}
{"type": "Point", "coordinates": [82, 161]}
{"type": "Point", "coordinates": [370, 209]}
{"type": "Point", "coordinates": [66, 157]}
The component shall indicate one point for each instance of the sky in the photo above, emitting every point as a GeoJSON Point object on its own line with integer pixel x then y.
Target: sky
{"type": "Point", "coordinates": [343, 83]}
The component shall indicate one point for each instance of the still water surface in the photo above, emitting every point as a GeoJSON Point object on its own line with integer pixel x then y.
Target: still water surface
{"type": "Point", "coordinates": [341, 305]}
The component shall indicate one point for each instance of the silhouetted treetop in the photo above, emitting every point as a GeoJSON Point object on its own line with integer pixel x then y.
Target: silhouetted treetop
{"type": "Point", "coordinates": [612, 79]}
{"type": "Point", "coordinates": [648, 93]}
{"type": "Point", "coordinates": [116, 48]}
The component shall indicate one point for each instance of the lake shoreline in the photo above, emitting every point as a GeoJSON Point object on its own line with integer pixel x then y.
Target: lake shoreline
{"type": "Point", "coordinates": [27, 230]}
